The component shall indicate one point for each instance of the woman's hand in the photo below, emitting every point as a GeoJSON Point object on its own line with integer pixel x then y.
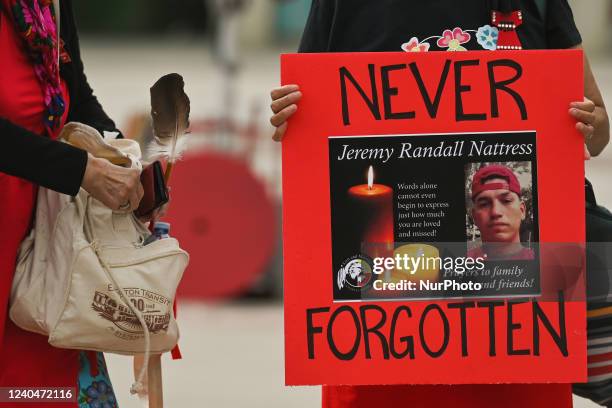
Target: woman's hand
{"type": "Point", "coordinates": [584, 113]}
{"type": "Point", "coordinates": [284, 105]}
{"type": "Point", "coordinates": [116, 187]}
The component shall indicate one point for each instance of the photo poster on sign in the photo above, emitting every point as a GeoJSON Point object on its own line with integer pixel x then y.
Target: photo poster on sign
{"type": "Point", "coordinates": [433, 219]}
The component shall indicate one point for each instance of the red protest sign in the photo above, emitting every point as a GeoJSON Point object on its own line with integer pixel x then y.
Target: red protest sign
{"type": "Point", "coordinates": [469, 161]}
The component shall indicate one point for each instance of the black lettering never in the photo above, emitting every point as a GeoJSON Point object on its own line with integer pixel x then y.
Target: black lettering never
{"type": "Point", "coordinates": [460, 89]}
{"type": "Point", "coordinates": [389, 91]}
{"type": "Point", "coordinates": [432, 106]}
{"type": "Point", "coordinates": [496, 86]}
{"type": "Point", "coordinates": [372, 103]}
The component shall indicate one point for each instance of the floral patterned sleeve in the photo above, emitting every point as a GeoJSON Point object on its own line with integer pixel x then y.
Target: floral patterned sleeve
{"type": "Point", "coordinates": [94, 386]}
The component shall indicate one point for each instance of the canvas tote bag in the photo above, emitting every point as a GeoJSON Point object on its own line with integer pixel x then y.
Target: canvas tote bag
{"type": "Point", "coordinates": [86, 279]}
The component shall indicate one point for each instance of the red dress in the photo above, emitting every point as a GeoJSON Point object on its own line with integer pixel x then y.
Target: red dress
{"type": "Point", "coordinates": [447, 396]}
{"type": "Point", "coordinates": [26, 359]}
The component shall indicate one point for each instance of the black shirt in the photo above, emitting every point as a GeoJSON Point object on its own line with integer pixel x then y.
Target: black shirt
{"type": "Point", "coordinates": [49, 163]}
{"type": "Point", "coordinates": [385, 25]}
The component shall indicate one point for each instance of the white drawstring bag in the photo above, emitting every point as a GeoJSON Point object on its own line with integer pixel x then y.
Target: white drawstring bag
{"type": "Point", "coordinates": [86, 279]}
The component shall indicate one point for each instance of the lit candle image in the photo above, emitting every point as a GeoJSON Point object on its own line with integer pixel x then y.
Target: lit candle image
{"type": "Point", "coordinates": [372, 206]}
{"type": "Point", "coordinates": [428, 270]}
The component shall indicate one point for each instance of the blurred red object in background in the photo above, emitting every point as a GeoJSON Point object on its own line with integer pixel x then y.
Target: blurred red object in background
{"type": "Point", "coordinates": [222, 215]}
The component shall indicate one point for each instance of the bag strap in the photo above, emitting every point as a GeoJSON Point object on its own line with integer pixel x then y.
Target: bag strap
{"type": "Point", "coordinates": [138, 386]}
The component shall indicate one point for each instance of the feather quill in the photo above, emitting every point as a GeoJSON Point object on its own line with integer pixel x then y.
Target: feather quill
{"type": "Point", "coordinates": [170, 113]}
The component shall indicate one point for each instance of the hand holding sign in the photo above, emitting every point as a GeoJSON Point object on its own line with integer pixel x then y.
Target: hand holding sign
{"type": "Point", "coordinates": [283, 105]}
{"type": "Point", "coordinates": [584, 113]}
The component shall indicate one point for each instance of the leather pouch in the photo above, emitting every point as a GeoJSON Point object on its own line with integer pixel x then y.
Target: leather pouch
{"type": "Point", "coordinates": [155, 190]}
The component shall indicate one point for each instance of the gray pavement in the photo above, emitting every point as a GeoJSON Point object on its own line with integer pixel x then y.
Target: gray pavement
{"type": "Point", "coordinates": [233, 358]}
{"type": "Point", "coordinates": [233, 352]}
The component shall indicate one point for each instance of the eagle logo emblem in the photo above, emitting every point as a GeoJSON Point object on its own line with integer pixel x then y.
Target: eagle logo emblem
{"type": "Point", "coordinates": [355, 273]}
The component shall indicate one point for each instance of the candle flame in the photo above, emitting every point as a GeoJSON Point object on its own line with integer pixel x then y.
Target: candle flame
{"type": "Point", "coordinates": [370, 177]}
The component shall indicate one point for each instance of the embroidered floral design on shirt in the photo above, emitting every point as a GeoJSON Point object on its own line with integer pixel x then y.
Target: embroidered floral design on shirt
{"type": "Point", "coordinates": [415, 46]}
{"type": "Point", "coordinates": [487, 37]}
{"type": "Point", "coordinates": [453, 39]}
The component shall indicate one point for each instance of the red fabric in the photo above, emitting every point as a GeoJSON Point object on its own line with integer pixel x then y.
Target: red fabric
{"type": "Point", "coordinates": [26, 359]}
{"type": "Point", "coordinates": [595, 371]}
{"type": "Point", "coordinates": [598, 358]}
{"type": "Point", "coordinates": [176, 351]}
{"type": "Point", "coordinates": [446, 396]}
{"type": "Point", "coordinates": [35, 23]}
{"type": "Point", "coordinates": [92, 356]}
{"type": "Point", "coordinates": [508, 38]}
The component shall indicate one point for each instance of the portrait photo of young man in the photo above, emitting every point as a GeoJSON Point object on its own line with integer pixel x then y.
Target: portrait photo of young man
{"type": "Point", "coordinates": [498, 210]}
